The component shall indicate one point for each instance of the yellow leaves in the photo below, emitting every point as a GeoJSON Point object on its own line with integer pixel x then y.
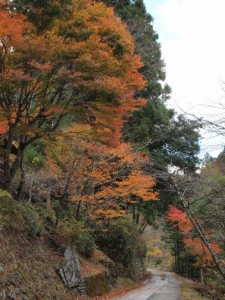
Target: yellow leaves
{"type": "Point", "coordinates": [137, 184]}
{"type": "Point", "coordinates": [109, 213]}
{"type": "Point", "coordinates": [90, 53]}
{"type": "Point", "coordinates": [101, 19]}
{"type": "Point", "coordinates": [100, 174]}
{"type": "Point", "coordinates": [42, 50]}
{"type": "Point", "coordinates": [155, 252]}
{"type": "Point", "coordinates": [140, 102]}
{"type": "Point", "coordinates": [107, 192]}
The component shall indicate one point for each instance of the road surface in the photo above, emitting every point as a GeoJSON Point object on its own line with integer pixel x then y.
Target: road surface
{"type": "Point", "coordinates": [162, 286]}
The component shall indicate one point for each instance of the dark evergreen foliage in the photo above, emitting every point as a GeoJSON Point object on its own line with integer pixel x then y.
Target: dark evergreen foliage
{"type": "Point", "coordinates": [168, 138]}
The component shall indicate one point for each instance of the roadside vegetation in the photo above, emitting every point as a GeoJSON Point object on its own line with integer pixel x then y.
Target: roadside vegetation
{"type": "Point", "coordinates": [87, 145]}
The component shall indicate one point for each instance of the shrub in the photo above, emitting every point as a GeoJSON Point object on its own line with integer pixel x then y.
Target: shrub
{"type": "Point", "coordinates": [121, 241]}
{"type": "Point", "coordinates": [34, 155]}
{"type": "Point", "coordinates": [85, 243]}
{"type": "Point", "coordinates": [4, 195]}
{"type": "Point", "coordinates": [67, 231]}
{"type": "Point", "coordinates": [19, 216]}
{"type": "Point", "coordinates": [11, 214]}
{"type": "Point", "coordinates": [71, 232]}
{"type": "Point", "coordinates": [34, 223]}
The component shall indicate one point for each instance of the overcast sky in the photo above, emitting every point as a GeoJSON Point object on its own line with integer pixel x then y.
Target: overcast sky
{"type": "Point", "coordinates": [192, 37]}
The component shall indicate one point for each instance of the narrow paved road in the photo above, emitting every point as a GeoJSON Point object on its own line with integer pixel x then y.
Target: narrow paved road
{"type": "Point", "coordinates": [162, 286]}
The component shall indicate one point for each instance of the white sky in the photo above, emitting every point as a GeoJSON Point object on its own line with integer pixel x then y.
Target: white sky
{"type": "Point", "coordinates": [192, 37]}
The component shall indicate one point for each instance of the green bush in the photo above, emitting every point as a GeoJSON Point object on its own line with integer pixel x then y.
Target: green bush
{"type": "Point", "coordinates": [34, 155]}
{"type": "Point", "coordinates": [20, 216]}
{"type": "Point", "coordinates": [67, 231]}
{"type": "Point", "coordinates": [11, 214]}
{"type": "Point", "coordinates": [47, 215]}
{"type": "Point", "coordinates": [121, 241]}
{"type": "Point", "coordinates": [72, 232]}
{"type": "Point", "coordinates": [4, 195]}
{"type": "Point", "coordinates": [35, 225]}
{"type": "Point", "coordinates": [158, 261]}
{"type": "Point", "coordinates": [85, 243]}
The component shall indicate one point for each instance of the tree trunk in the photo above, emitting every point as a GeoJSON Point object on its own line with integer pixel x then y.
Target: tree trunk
{"type": "Point", "coordinates": [205, 240]}
{"type": "Point", "coordinates": [1, 167]}
{"type": "Point", "coordinates": [22, 181]}
{"type": "Point", "coordinates": [198, 227]}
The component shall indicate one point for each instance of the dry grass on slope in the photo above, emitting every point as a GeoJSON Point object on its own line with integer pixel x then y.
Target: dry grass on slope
{"type": "Point", "coordinates": [29, 269]}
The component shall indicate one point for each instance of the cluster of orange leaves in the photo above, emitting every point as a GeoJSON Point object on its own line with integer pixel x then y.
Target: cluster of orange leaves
{"type": "Point", "coordinates": [193, 244]}
{"type": "Point", "coordinates": [3, 126]}
{"type": "Point", "coordinates": [106, 178]}
{"type": "Point", "coordinates": [11, 29]}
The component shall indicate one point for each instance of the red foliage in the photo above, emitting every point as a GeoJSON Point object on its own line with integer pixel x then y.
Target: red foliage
{"type": "Point", "coordinates": [193, 244]}
{"type": "Point", "coordinates": [197, 248]}
{"type": "Point", "coordinates": [180, 219]}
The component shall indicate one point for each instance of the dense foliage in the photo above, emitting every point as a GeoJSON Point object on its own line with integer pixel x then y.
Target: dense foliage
{"type": "Point", "coordinates": [87, 143]}
{"type": "Point", "coordinates": [68, 75]}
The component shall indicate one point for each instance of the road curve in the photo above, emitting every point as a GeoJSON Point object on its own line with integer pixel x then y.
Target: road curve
{"type": "Point", "coordinates": [162, 286]}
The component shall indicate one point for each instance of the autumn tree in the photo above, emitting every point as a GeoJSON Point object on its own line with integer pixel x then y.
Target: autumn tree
{"type": "Point", "coordinates": [155, 129]}
{"type": "Point", "coordinates": [180, 219]}
{"type": "Point", "coordinates": [211, 209]}
{"type": "Point", "coordinates": [102, 181]}
{"type": "Point", "coordinates": [61, 70]}
{"type": "Point", "coordinates": [193, 199]}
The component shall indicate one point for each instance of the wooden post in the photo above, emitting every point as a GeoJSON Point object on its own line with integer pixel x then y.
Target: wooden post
{"type": "Point", "coordinates": [201, 275]}
{"type": "Point", "coordinates": [2, 162]}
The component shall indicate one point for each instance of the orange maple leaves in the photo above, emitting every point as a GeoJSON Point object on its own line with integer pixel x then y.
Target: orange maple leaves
{"type": "Point", "coordinates": [130, 187]}
{"type": "Point", "coordinates": [106, 179]}
{"type": "Point", "coordinates": [12, 26]}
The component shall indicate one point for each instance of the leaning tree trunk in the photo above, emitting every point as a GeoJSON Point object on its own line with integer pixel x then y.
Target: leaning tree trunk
{"type": "Point", "coordinates": [198, 227]}
{"type": "Point", "coordinates": [205, 240]}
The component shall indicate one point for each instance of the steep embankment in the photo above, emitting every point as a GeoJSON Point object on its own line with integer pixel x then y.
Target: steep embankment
{"type": "Point", "coordinates": [29, 269]}
{"type": "Point", "coordinates": [42, 258]}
